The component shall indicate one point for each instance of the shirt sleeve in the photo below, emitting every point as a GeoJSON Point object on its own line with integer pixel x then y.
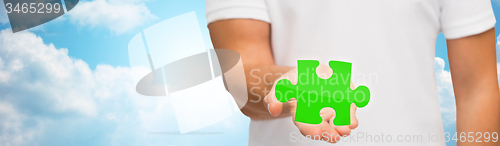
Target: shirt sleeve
{"type": "Point", "coordinates": [462, 18]}
{"type": "Point", "coordinates": [234, 9]}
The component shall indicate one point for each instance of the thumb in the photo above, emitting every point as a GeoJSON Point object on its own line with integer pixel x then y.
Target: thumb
{"type": "Point", "coordinates": [272, 104]}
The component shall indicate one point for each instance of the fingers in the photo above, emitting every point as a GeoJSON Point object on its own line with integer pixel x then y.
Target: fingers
{"type": "Point", "coordinates": [354, 119]}
{"type": "Point", "coordinates": [321, 131]}
{"type": "Point", "coordinates": [327, 114]}
{"type": "Point", "coordinates": [272, 104]}
{"type": "Point", "coordinates": [326, 130]}
{"type": "Point", "coordinates": [292, 105]}
{"type": "Point", "coordinates": [341, 130]}
{"type": "Point", "coordinates": [317, 131]}
{"type": "Point", "coordinates": [330, 135]}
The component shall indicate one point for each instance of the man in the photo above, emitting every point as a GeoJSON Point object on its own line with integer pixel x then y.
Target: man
{"type": "Point", "coordinates": [391, 45]}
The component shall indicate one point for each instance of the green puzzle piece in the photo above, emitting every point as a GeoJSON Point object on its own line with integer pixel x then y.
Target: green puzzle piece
{"type": "Point", "coordinates": [314, 93]}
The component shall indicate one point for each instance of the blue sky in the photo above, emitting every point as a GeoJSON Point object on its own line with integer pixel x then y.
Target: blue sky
{"type": "Point", "coordinates": [110, 47]}
{"type": "Point", "coordinates": [80, 86]}
{"type": "Point", "coordinates": [95, 49]}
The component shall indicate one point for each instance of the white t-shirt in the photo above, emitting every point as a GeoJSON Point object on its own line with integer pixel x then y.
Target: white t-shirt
{"type": "Point", "coordinates": [391, 45]}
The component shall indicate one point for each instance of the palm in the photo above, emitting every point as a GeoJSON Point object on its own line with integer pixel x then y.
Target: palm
{"type": "Point", "coordinates": [315, 131]}
{"type": "Point", "coordinates": [326, 130]}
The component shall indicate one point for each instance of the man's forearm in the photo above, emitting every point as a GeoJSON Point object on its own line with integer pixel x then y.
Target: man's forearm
{"type": "Point", "coordinates": [479, 117]}
{"type": "Point", "coordinates": [251, 39]}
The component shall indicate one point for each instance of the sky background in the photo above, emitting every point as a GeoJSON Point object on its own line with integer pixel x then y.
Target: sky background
{"type": "Point", "coordinates": [68, 81]}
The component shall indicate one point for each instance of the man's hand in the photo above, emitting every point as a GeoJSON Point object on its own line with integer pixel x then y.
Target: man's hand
{"type": "Point", "coordinates": [315, 131]}
{"type": "Point", "coordinates": [251, 38]}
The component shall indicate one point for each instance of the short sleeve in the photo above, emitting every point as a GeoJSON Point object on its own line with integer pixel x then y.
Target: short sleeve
{"type": "Point", "coordinates": [233, 9]}
{"type": "Point", "coordinates": [462, 18]}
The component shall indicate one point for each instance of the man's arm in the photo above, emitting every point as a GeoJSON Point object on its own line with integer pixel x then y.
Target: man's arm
{"type": "Point", "coordinates": [251, 38]}
{"type": "Point", "coordinates": [473, 70]}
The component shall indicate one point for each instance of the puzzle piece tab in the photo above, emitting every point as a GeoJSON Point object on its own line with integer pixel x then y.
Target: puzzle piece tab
{"type": "Point", "coordinates": [314, 93]}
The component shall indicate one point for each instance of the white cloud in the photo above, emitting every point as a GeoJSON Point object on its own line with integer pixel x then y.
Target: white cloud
{"type": "Point", "coordinates": [49, 98]}
{"type": "Point", "coordinates": [445, 91]}
{"type": "Point", "coordinates": [41, 85]}
{"type": "Point", "coordinates": [117, 15]}
{"type": "Point", "coordinates": [498, 41]}
{"type": "Point", "coordinates": [498, 70]}
{"type": "Point", "coordinates": [12, 123]}
{"type": "Point", "coordinates": [25, 58]}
